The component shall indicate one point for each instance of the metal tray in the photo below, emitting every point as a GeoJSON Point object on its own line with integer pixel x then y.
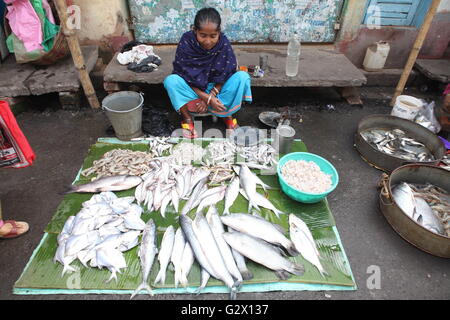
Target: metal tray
{"type": "Point", "coordinates": [406, 227]}
{"type": "Point", "coordinates": [387, 162]}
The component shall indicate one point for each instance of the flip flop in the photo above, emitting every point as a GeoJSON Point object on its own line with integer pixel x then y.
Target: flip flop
{"type": "Point", "coordinates": [189, 131]}
{"type": "Point", "coordinates": [231, 124]}
{"type": "Point", "coordinates": [14, 233]}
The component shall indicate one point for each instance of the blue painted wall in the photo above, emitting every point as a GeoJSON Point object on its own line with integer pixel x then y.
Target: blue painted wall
{"type": "Point", "coordinates": [396, 12]}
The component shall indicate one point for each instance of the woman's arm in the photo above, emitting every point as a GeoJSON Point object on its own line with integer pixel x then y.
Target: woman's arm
{"type": "Point", "coordinates": [213, 101]}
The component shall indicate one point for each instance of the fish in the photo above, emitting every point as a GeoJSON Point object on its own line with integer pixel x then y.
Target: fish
{"type": "Point", "coordinates": [404, 197]}
{"type": "Point", "coordinates": [165, 202]}
{"type": "Point", "coordinates": [75, 244]}
{"type": "Point", "coordinates": [248, 184]}
{"type": "Point", "coordinates": [194, 196]}
{"type": "Point", "coordinates": [259, 228]}
{"type": "Point", "coordinates": [262, 201]}
{"type": "Point", "coordinates": [112, 259]}
{"type": "Point", "coordinates": [260, 252]}
{"type": "Point", "coordinates": [114, 183]}
{"type": "Point", "coordinates": [186, 225]}
{"type": "Point", "coordinates": [231, 194]}
{"type": "Point", "coordinates": [147, 253]}
{"type": "Point", "coordinates": [164, 254]}
{"type": "Point", "coordinates": [304, 242]}
{"type": "Point", "coordinates": [131, 221]}
{"type": "Point", "coordinates": [427, 218]}
{"type": "Point", "coordinates": [186, 264]}
{"type": "Point", "coordinates": [257, 179]}
{"type": "Point", "coordinates": [204, 278]}
{"type": "Point", "coordinates": [175, 199]}
{"type": "Point", "coordinates": [240, 262]}
{"type": "Point", "coordinates": [211, 200]}
{"type": "Point", "coordinates": [217, 229]}
{"type": "Point", "coordinates": [209, 245]}
{"type": "Point", "coordinates": [65, 260]}
{"type": "Point", "coordinates": [177, 254]}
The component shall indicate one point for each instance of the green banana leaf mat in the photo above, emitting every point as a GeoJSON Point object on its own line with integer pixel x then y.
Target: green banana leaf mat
{"type": "Point", "coordinates": [43, 276]}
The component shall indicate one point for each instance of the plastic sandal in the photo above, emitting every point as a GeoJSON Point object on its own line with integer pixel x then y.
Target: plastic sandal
{"type": "Point", "coordinates": [231, 124]}
{"type": "Point", "coordinates": [14, 233]}
{"type": "Point", "coordinates": [189, 131]}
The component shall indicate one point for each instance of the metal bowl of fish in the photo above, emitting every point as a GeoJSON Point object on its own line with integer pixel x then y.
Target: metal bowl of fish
{"type": "Point", "coordinates": [415, 199]}
{"type": "Point", "coordinates": [388, 142]}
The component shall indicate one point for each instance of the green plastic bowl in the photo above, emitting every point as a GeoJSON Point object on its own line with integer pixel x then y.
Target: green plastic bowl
{"type": "Point", "coordinates": [306, 197]}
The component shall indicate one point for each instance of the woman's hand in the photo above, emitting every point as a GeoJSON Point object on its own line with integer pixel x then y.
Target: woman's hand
{"type": "Point", "coordinates": [202, 107]}
{"type": "Point", "coordinates": [217, 105]}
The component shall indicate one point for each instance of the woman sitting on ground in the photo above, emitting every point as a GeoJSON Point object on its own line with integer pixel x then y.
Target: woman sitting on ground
{"type": "Point", "coordinates": [205, 76]}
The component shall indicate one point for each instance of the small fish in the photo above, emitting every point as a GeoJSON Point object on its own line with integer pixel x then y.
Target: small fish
{"type": "Point", "coordinates": [231, 194]}
{"type": "Point", "coordinates": [194, 196]}
{"type": "Point", "coordinates": [147, 252]}
{"type": "Point", "coordinates": [114, 183]}
{"type": "Point", "coordinates": [75, 244]}
{"type": "Point", "coordinates": [164, 254]}
{"type": "Point", "coordinates": [240, 262]}
{"type": "Point", "coordinates": [248, 184]}
{"type": "Point", "coordinates": [259, 251]}
{"type": "Point", "coordinates": [112, 259]}
{"type": "Point", "coordinates": [262, 201]}
{"type": "Point", "coordinates": [65, 260]}
{"type": "Point", "coordinates": [211, 200]}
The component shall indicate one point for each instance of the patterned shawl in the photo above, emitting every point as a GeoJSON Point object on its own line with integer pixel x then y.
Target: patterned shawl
{"type": "Point", "coordinates": [199, 66]}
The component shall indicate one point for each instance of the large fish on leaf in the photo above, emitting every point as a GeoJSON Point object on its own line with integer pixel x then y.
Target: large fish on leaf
{"type": "Point", "coordinates": [147, 253]}
{"type": "Point", "coordinates": [115, 183]}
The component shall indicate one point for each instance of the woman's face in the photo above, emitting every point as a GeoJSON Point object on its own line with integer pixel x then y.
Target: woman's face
{"type": "Point", "coordinates": [208, 35]}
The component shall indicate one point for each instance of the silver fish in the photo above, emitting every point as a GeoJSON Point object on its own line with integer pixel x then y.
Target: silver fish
{"type": "Point", "coordinates": [194, 196]}
{"type": "Point", "coordinates": [115, 183]}
{"type": "Point", "coordinates": [147, 252]}
{"type": "Point", "coordinates": [262, 201]}
{"type": "Point", "coordinates": [177, 254]}
{"type": "Point", "coordinates": [200, 255]}
{"type": "Point", "coordinates": [259, 228]}
{"type": "Point", "coordinates": [240, 262]}
{"type": "Point", "coordinates": [427, 218]}
{"type": "Point", "coordinates": [248, 184]}
{"type": "Point", "coordinates": [75, 244]}
{"type": "Point", "coordinates": [65, 260]}
{"type": "Point", "coordinates": [209, 245]}
{"type": "Point", "coordinates": [164, 254]}
{"type": "Point", "coordinates": [404, 197]}
{"type": "Point", "coordinates": [304, 242]}
{"type": "Point", "coordinates": [175, 199]}
{"type": "Point", "coordinates": [231, 194]}
{"type": "Point", "coordinates": [204, 278]}
{"type": "Point", "coordinates": [259, 251]}
{"type": "Point", "coordinates": [186, 264]}
{"type": "Point", "coordinates": [217, 229]}
{"type": "Point", "coordinates": [112, 259]}
{"type": "Point", "coordinates": [211, 200]}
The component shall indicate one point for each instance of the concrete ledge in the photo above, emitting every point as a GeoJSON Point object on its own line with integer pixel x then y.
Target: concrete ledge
{"type": "Point", "coordinates": [387, 77]}
{"type": "Point", "coordinates": [320, 66]}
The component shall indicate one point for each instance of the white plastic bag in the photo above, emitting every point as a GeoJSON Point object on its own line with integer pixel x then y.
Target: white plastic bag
{"type": "Point", "coordinates": [426, 117]}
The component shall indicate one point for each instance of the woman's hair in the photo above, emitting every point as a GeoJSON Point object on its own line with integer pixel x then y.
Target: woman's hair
{"type": "Point", "coordinates": [206, 15]}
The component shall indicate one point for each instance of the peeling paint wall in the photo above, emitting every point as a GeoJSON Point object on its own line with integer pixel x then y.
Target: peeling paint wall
{"type": "Point", "coordinates": [158, 21]}
{"type": "Point", "coordinates": [104, 22]}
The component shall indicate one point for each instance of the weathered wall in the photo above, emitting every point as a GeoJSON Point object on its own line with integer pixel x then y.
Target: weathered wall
{"type": "Point", "coordinates": [354, 38]}
{"type": "Point", "coordinates": [104, 22]}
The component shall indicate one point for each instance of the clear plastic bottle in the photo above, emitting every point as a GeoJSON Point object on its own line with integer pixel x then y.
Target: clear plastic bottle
{"type": "Point", "coordinates": [293, 56]}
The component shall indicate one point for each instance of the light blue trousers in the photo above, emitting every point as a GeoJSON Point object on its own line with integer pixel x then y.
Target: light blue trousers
{"type": "Point", "coordinates": [236, 89]}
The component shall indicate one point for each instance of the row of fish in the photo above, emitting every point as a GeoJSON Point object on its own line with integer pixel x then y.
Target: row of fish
{"type": "Point", "coordinates": [396, 143]}
{"type": "Point", "coordinates": [427, 205]}
{"type": "Point", "coordinates": [221, 254]}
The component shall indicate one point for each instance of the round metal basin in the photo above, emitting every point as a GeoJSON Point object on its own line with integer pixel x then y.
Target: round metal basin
{"type": "Point", "coordinates": [388, 163]}
{"type": "Point", "coordinates": [406, 227]}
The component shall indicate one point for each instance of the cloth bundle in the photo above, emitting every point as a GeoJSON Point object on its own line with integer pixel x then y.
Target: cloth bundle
{"type": "Point", "coordinates": [33, 29]}
{"type": "Point", "coordinates": [15, 151]}
{"type": "Point", "coordinates": [139, 57]}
